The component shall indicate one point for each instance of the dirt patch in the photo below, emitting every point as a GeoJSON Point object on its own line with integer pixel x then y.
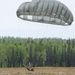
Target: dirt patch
{"type": "Point", "coordinates": [38, 71]}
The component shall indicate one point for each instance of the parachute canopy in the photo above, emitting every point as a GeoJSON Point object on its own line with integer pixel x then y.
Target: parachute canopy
{"type": "Point", "coordinates": [45, 11]}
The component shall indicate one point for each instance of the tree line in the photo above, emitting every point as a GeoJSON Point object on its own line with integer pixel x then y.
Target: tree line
{"type": "Point", "coordinates": [16, 52]}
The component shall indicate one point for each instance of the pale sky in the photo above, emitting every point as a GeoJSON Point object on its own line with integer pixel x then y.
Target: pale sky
{"type": "Point", "coordinates": [12, 26]}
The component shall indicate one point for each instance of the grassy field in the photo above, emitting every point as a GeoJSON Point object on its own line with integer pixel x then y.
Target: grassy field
{"type": "Point", "coordinates": [38, 71]}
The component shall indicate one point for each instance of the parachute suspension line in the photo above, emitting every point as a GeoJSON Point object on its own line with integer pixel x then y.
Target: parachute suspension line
{"type": "Point", "coordinates": [19, 29]}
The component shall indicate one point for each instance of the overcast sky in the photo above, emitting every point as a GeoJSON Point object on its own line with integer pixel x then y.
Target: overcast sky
{"type": "Point", "coordinates": [10, 25]}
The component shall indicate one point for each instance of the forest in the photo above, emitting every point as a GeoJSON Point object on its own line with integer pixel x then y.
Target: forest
{"type": "Point", "coordinates": [41, 52]}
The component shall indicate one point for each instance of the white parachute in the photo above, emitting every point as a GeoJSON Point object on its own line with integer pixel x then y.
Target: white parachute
{"type": "Point", "coordinates": [45, 11]}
